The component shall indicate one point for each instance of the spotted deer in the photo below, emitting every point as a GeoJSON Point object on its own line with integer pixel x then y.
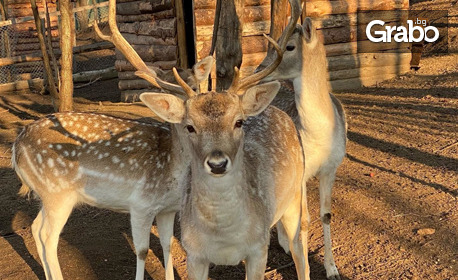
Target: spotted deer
{"type": "Point", "coordinates": [68, 159]}
{"type": "Point", "coordinates": [319, 118]}
{"type": "Point", "coordinates": [246, 173]}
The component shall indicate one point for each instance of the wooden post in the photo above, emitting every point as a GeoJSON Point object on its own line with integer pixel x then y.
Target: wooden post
{"type": "Point", "coordinates": [181, 35]}
{"type": "Point", "coordinates": [228, 44]}
{"type": "Point", "coordinates": [49, 41]}
{"type": "Point", "coordinates": [278, 17]}
{"type": "Point", "coordinates": [66, 61]}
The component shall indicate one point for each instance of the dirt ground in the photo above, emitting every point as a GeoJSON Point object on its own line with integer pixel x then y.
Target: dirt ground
{"type": "Point", "coordinates": [395, 208]}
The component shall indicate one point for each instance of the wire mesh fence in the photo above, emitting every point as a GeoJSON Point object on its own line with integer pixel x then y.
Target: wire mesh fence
{"type": "Point", "coordinates": [85, 34]}
{"type": "Point", "coordinates": [20, 39]}
{"type": "Point", "coordinates": [15, 42]}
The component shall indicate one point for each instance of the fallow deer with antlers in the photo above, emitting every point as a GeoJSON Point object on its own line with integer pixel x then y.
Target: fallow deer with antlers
{"type": "Point", "coordinates": [247, 173]}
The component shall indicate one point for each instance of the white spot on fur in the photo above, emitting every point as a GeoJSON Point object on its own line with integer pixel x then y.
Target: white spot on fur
{"type": "Point", "coordinates": [50, 163]}
{"type": "Point", "coordinates": [115, 159]}
{"type": "Point", "coordinates": [39, 159]}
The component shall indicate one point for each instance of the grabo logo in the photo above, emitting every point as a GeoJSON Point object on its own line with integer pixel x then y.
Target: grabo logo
{"type": "Point", "coordinates": [402, 34]}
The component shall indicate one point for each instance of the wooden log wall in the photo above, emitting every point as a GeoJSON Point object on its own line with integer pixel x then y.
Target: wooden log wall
{"type": "Point", "coordinates": [22, 39]}
{"type": "Point", "coordinates": [338, 24]}
{"type": "Point", "coordinates": [151, 28]}
{"type": "Point", "coordinates": [26, 40]}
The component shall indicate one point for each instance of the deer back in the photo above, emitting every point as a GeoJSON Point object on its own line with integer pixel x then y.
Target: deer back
{"type": "Point", "coordinates": [273, 156]}
{"type": "Point", "coordinates": [105, 159]}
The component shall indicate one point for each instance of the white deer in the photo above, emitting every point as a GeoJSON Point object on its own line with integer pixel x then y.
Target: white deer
{"type": "Point", "coordinates": [68, 159]}
{"type": "Point", "coordinates": [319, 118]}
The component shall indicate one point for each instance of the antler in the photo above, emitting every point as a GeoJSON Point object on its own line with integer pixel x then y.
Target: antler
{"type": "Point", "coordinates": [143, 71]}
{"type": "Point", "coordinates": [238, 84]}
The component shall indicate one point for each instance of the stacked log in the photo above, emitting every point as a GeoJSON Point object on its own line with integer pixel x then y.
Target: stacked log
{"type": "Point", "coordinates": [151, 28]}
{"type": "Point", "coordinates": [338, 23]}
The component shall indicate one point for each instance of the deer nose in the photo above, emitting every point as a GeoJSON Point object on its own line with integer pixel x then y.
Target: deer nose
{"type": "Point", "coordinates": [218, 162]}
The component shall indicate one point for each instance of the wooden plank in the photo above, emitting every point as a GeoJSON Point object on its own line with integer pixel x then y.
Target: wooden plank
{"type": "Point", "coordinates": [141, 7]}
{"type": "Point", "coordinates": [354, 83]}
{"type": "Point", "coordinates": [181, 35]}
{"type": "Point", "coordinates": [123, 65]}
{"type": "Point", "coordinates": [166, 14]}
{"type": "Point", "coordinates": [365, 47]}
{"type": "Point", "coordinates": [364, 72]}
{"type": "Point", "coordinates": [19, 59]}
{"type": "Point", "coordinates": [360, 60]}
{"type": "Point", "coordinates": [205, 32]}
{"type": "Point", "coordinates": [250, 44]}
{"type": "Point", "coordinates": [27, 85]}
{"type": "Point", "coordinates": [320, 8]}
{"type": "Point", "coordinates": [160, 28]}
{"type": "Point", "coordinates": [103, 74]}
{"type": "Point", "coordinates": [250, 14]}
{"type": "Point", "coordinates": [211, 4]}
{"type": "Point", "coordinates": [149, 40]}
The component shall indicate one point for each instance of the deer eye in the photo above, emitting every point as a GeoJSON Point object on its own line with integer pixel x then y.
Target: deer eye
{"type": "Point", "coordinates": [290, 48]}
{"type": "Point", "coordinates": [238, 124]}
{"type": "Point", "coordinates": [190, 129]}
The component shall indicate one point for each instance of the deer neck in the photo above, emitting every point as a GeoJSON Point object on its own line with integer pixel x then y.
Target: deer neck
{"type": "Point", "coordinates": [180, 148]}
{"type": "Point", "coordinates": [311, 89]}
{"type": "Point", "coordinates": [217, 203]}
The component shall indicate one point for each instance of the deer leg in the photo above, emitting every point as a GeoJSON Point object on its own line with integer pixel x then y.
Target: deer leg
{"type": "Point", "coordinates": [255, 264]}
{"type": "Point", "coordinates": [282, 237]}
{"type": "Point", "coordinates": [297, 237]}
{"type": "Point", "coordinates": [53, 217]}
{"type": "Point", "coordinates": [197, 268]}
{"type": "Point", "coordinates": [37, 227]}
{"type": "Point", "coordinates": [165, 228]}
{"type": "Point", "coordinates": [326, 182]}
{"type": "Point", "coordinates": [141, 222]}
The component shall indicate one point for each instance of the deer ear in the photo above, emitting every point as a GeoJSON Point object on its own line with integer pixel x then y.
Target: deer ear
{"type": "Point", "coordinates": [168, 107]}
{"type": "Point", "coordinates": [257, 98]}
{"type": "Point", "coordinates": [203, 68]}
{"type": "Point", "coordinates": [308, 29]}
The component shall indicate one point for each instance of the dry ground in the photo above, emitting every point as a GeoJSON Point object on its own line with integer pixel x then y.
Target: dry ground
{"type": "Point", "coordinates": [394, 204]}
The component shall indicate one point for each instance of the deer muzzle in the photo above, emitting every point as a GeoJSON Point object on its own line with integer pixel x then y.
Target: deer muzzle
{"type": "Point", "coordinates": [217, 163]}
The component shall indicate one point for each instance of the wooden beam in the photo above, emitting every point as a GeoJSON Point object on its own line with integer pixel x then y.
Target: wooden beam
{"type": "Point", "coordinates": [181, 35]}
{"type": "Point", "coordinates": [278, 17]}
{"type": "Point", "coordinates": [66, 60]}
{"type": "Point", "coordinates": [228, 44]}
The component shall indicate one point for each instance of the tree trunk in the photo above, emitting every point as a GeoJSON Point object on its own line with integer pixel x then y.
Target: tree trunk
{"type": "Point", "coordinates": [49, 75]}
{"type": "Point", "coordinates": [278, 17]}
{"type": "Point", "coordinates": [66, 45]}
{"type": "Point", "coordinates": [228, 43]}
